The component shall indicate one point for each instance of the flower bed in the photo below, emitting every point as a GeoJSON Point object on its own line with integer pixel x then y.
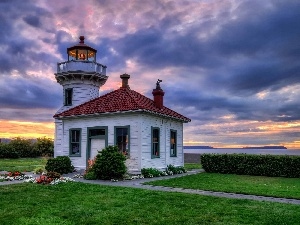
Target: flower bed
{"type": "Point", "coordinates": [51, 178]}
{"type": "Point", "coordinates": [48, 180]}
{"type": "Point", "coordinates": [11, 176]}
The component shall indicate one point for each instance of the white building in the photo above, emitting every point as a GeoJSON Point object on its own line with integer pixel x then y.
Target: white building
{"type": "Point", "coordinates": [147, 132]}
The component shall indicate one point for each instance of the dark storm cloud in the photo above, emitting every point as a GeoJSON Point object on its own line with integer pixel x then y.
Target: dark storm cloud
{"type": "Point", "coordinates": [267, 39]}
{"type": "Point", "coordinates": [28, 93]}
{"type": "Point", "coordinates": [19, 50]}
{"type": "Point", "coordinates": [210, 107]}
{"type": "Point", "coordinates": [33, 21]}
{"type": "Point", "coordinates": [36, 115]}
{"type": "Point", "coordinates": [261, 48]}
{"type": "Point", "coordinates": [151, 47]}
{"type": "Point", "coordinates": [16, 58]}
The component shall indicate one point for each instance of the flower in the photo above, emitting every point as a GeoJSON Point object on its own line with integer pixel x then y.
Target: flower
{"type": "Point", "coordinates": [47, 180]}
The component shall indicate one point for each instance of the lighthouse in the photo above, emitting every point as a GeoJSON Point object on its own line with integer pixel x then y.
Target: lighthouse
{"type": "Point", "coordinates": [80, 76]}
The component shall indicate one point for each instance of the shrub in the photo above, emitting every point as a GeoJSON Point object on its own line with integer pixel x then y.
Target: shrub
{"type": "Point", "coordinates": [39, 170]}
{"type": "Point", "coordinates": [53, 175]}
{"type": "Point", "coordinates": [44, 147]}
{"type": "Point", "coordinates": [175, 169]}
{"type": "Point", "coordinates": [6, 151]}
{"type": "Point", "coordinates": [60, 164]}
{"type": "Point", "coordinates": [150, 172]}
{"type": "Point", "coordinates": [90, 175]}
{"type": "Point", "coordinates": [109, 164]}
{"type": "Point", "coordinates": [170, 170]}
{"type": "Point", "coordinates": [257, 165]}
{"type": "Point", "coordinates": [23, 147]}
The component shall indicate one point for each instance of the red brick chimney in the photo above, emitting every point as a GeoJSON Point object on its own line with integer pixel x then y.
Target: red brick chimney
{"type": "Point", "coordinates": [158, 95]}
{"type": "Point", "coordinates": [125, 77]}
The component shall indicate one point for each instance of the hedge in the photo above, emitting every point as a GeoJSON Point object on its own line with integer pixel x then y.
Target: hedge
{"type": "Point", "coordinates": [24, 148]}
{"type": "Point", "coordinates": [257, 165]}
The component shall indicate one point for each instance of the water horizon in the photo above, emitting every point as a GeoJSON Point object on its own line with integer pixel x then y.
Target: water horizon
{"type": "Point", "coordinates": [258, 151]}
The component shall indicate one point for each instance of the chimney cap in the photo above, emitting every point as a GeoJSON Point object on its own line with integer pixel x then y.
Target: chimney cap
{"type": "Point", "coordinates": [125, 77]}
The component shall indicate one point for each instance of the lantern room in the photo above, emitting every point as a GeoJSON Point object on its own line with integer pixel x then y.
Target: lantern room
{"type": "Point", "coordinates": [81, 51]}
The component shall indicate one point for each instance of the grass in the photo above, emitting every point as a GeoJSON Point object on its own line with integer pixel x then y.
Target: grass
{"type": "Point", "coordinates": [22, 164]}
{"type": "Point", "coordinates": [255, 185]}
{"type": "Point", "coordinates": [191, 166]}
{"type": "Point", "coordinates": [79, 203]}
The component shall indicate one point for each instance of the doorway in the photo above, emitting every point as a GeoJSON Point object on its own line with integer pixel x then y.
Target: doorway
{"type": "Point", "coordinates": [96, 145]}
{"type": "Point", "coordinates": [97, 140]}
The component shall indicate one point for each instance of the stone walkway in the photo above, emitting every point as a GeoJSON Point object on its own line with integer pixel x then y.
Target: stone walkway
{"type": "Point", "coordinates": [138, 183]}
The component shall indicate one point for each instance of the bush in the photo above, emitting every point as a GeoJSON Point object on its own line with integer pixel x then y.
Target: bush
{"type": "Point", "coordinates": [257, 165]}
{"type": "Point", "coordinates": [90, 175]}
{"type": "Point", "coordinates": [39, 170]}
{"type": "Point", "coordinates": [109, 164]}
{"type": "Point", "coordinates": [23, 147]}
{"type": "Point", "coordinates": [44, 147]}
{"type": "Point", "coordinates": [170, 170]}
{"type": "Point", "coordinates": [6, 151]}
{"type": "Point", "coordinates": [150, 172]}
{"type": "Point", "coordinates": [53, 175]}
{"type": "Point", "coordinates": [60, 164]}
{"type": "Point", "coordinates": [175, 169]}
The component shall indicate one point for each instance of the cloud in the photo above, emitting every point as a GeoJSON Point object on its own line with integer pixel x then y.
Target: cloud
{"type": "Point", "coordinates": [220, 60]}
{"type": "Point", "coordinates": [33, 21]}
{"type": "Point", "coordinates": [29, 93]}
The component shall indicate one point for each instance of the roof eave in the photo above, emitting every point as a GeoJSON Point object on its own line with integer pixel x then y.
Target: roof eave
{"type": "Point", "coordinates": [118, 112]}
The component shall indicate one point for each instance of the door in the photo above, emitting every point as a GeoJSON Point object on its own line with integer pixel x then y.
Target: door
{"type": "Point", "coordinates": [96, 145]}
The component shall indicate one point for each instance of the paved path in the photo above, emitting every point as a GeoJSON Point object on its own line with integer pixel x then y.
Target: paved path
{"type": "Point", "coordinates": [138, 183]}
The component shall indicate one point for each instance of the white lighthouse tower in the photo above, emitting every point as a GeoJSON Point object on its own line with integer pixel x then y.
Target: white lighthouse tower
{"type": "Point", "coordinates": [81, 77]}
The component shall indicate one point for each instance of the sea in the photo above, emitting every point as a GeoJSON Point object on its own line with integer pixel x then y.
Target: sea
{"type": "Point", "coordinates": [242, 150]}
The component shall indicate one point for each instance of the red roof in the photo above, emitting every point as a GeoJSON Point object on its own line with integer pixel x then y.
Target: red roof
{"type": "Point", "coordinates": [120, 100]}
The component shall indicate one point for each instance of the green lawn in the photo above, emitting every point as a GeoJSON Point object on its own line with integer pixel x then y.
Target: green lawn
{"type": "Point", "coordinates": [22, 164]}
{"type": "Point", "coordinates": [256, 185]}
{"type": "Point", "coordinates": [191, 166]}
{"type": "Point", "coordinates": [79, 203]}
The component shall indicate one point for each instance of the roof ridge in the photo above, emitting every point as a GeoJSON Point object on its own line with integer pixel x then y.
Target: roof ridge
{"type": "Point", "coordinates": [134, 97]}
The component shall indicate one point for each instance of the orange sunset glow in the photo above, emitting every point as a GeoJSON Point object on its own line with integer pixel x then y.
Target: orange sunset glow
{"type": "Point", "coordinates": [31, 130]}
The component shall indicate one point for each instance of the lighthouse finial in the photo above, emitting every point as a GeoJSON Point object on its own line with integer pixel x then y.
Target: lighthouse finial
{"type": "Point", "coordinates": [81, 38]}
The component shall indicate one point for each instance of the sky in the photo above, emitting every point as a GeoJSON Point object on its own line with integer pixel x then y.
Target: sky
{"type": "Point", "coordinates": [231, 66]}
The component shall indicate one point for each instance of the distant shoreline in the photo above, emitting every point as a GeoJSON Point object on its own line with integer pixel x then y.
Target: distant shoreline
{"type": "Point", "coordinates": [259, 147]}
{"type": "Point", "coordinates": [265, 151]}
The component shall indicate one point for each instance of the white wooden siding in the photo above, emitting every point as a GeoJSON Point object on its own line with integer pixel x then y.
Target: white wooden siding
{"type": "Point", "coordinates": [165, 125]}
{"type": "Point", "coordinates": [140, 139]}
{"type": "Point", "coordinates": [82, 92]}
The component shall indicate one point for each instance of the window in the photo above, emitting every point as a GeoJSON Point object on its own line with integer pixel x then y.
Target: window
{"type": "Point", "coordinates": [155, 142]}
{"type": "Point", "coordinates": [122, 139]}
{"type": "Point", "coordinates": [75, 138]}
{"type": "Point", "coordinates": [68, 96]}
{"type": "Point", "coordinates": [173, 143]}
{"type": "Point", "coordinates": [97, 132]}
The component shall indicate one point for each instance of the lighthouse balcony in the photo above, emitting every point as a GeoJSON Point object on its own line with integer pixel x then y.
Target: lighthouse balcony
{"type": "Point", "coordinates": [80, 65]}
